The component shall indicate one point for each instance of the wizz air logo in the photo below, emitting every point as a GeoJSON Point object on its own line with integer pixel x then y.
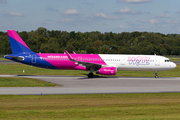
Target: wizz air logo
{"type": "Point", "coordinates": [139, 60]}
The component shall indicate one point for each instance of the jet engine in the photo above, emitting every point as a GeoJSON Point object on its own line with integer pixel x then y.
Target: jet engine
{"type": "Point", "coordinates": [107, 71]}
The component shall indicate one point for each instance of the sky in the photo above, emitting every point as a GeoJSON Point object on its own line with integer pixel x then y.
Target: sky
{"type": "Point", "coordinates": [91, 15]}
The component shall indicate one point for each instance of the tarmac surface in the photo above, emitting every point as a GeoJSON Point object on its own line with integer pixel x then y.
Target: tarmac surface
{"type": "Point", "coordinates": [96, 85]}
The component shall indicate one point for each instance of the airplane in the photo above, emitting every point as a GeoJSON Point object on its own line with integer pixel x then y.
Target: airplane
{"type": "Point", "coordinates": [104, 64]}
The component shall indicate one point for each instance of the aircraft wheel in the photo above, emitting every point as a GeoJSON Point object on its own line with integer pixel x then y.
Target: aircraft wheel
{"type": "Point", "coordinates": [156, 76]}
{"type": "Point", "coordinates": [90, 75]}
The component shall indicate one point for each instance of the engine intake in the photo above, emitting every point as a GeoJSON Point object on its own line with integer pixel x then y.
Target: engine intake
{"type": "Point", "coordinates": [107, 71]}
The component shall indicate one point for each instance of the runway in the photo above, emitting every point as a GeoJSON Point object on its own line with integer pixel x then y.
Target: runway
{"type": "Point", "coordinates": [98, 85]}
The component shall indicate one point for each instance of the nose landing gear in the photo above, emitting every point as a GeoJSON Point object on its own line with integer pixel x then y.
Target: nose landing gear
{"type": "Point", "coordinates": [156, 75]}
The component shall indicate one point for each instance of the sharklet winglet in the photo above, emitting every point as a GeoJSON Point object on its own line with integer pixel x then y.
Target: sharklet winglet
{"type": "Point", "coordinates": [74, 52]}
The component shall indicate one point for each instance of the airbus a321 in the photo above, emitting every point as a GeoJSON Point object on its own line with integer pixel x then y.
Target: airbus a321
{"type": "Point", "coordinates": [104, 64]}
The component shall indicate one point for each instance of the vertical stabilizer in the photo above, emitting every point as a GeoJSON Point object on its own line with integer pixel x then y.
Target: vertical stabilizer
{"type": "Point", "coordinates": [17, 44]}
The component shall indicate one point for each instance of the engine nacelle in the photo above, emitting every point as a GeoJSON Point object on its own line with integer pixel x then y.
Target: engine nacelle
{"type": "Point", "coordinates": [107, 71]}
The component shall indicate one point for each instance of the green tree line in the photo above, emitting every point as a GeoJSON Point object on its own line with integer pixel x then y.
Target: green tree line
{"type": "Point", "coordinates": [56, 41]}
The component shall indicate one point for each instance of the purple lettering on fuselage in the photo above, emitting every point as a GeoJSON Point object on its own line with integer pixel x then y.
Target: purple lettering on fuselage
{"type": "Point", "coordinates": [57, 56]}
{"type": "Point", "coordinates": [139, 60]}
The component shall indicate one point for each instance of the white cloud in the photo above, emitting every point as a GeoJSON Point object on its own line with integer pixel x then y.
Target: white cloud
{"type": "Point", "coordinates": [131, 23]}
{"type": "Point", "coordinates": [121, 26]}
{"type": "Point", "coordinates": [15, 14]}
{"type": "Point", "coordinates": [166, 11]}
{"type": "Point", "coordinates": [3, 1]}
{"type": "Point", "coordinates": [135, 1]}
{"type": "Point", "coordinates": [143, 27]}
{"type": "Point", "coordinates": [163, 16]}
{"type": "Point", "coordinates": [129, 11]}
{"type": "Point", "coordinates": [66, 20]}
{"type": "Point", "coordinates": [102, 15]}
{"type": "Point", "coordinates": [178, 12]}
{"type": "Point", "coordinates": [142, 20]}
{"type": "Point", "coordinates": [71, 12]}
{"type": "Point", "coordinates": [174, 21]}
{"type": "Point", "coordinates": [90, 3]}
{"type": "Point", "coordinates": [168, 21]}
{"type": "Point", "coordinates": [47, 22]}
{"type": "Point", "coordinates": [152, 21]}
{"type": "Point", "coordinates": [147, 12]}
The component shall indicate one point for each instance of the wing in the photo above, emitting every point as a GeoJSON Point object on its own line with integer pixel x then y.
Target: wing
{"type": "Point", "coordinates": [83, 63]}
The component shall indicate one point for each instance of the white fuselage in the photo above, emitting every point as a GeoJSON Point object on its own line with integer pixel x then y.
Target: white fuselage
{"type": "Point", "coordinates": [138, 62]}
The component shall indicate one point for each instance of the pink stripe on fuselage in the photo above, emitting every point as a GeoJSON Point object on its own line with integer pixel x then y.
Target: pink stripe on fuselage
{"type": "Point", "coordinates": [90, 58]}
{"type": "Point", "coordinates": [14, 35]}
{"type": "Point", "coordinates": [58, 60]}
{"type": "Point", "coordinates": [61, 61]}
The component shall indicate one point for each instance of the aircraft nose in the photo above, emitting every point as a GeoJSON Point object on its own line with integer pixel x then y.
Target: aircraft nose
{"type": "Point", "coordinates": [173, 65]}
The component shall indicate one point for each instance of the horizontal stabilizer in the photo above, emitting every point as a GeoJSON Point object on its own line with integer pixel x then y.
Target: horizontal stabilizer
{"type": "Point", "coordinates": [14, 56]}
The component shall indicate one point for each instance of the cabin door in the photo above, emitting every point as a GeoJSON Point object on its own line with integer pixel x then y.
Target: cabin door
{"type": "Point", "coordinates": [33, 58]}
{"type": "Point", "coordinates": [157, 62]}
{"type": "Point", "coordinates": [79, 58]}
{"type": "Point", "coordinates": [122, 61]}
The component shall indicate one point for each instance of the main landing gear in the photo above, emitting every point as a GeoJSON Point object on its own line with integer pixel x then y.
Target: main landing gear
{"type": "Point", "coordinates": [90, 75]}
{"type": "Point", "coordinates": [156, 75]}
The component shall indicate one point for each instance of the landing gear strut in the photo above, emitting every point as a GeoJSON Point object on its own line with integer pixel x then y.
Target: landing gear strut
{"type": "Point", "coordinates": [156, 75]}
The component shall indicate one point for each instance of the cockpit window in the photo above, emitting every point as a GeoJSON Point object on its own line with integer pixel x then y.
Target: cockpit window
{"type": "Point", "coordinates": [167, 61]}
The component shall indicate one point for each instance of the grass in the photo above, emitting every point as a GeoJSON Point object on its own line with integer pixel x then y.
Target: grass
{"type": "Point", "coordinates": [175, 59]}
{"type": "Point", "coordinates": [94, 107]}
{"type": "Point", "coordinates": [3, 59]}
{"type": "Point", "coordinates": [17, 69]}
{"type": "Point", "coordinates": [23, 82]}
